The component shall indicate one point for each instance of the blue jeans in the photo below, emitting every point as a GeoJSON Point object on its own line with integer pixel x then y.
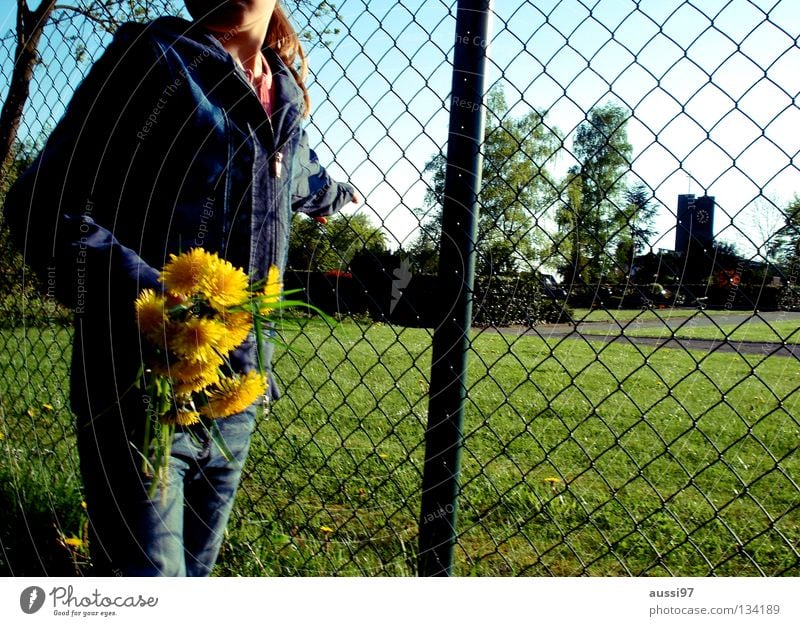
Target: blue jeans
{"type": "Point", "coordinates": [177, 533]}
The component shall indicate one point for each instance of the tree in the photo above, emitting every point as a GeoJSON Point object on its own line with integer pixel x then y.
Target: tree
{"type": "Point", "coordinates": [423, 252]}
{"type": "Point", "coordinates": [515, 190]}
{"type": "Point", "coordinates": [10, 258]}
{"type": "Point", "coordinates": [763, 220]}
{"type": "Point", "coordinates": [592, 216]}
{"type": "Point", "coordinates": [29, 28]}
{"type": "Point", "coordinates": [638, 227]}
{"type": "Point", "coordinates": [30, 24]}
{"type": "Point", "coordinates": [313, 247]}
{"type": "Point", "coordinates": [784, 245]}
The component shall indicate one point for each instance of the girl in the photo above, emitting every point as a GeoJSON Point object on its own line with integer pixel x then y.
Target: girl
{"type": "Point", "coordinates": [183, 134]}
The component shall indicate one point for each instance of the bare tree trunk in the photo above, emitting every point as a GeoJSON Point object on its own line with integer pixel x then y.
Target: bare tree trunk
{"type": "Point", "coordinates": [30, 25]}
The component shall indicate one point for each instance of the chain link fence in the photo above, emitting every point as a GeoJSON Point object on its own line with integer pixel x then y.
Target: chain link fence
{"type": "Point", "coordinates": [632, 393]}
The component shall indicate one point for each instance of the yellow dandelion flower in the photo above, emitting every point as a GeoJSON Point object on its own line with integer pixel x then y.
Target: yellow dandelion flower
{"type": "Point", "coordinates": [188, 376]}
{"type": "Point", "coordinates": [48, 407]}
{"type": "Point", "coordinates": [237, 327]}
{"type": "Point", "coordinates": [195, 339]}
{"type": "Point", "coordinates": [272, 290]}
{"type": "Point", "coordinates": [150, 314]}
{"type": "Point", "coordinates": [224, 285]}
{"type": "Point", "coordinates": [326, 529]}
{"type": "Point", "coordinates": [183, 371]}
{"type": "Point", "coordinates": [184, 274]}
{"type": "Point", "coordinates": [189, 385]}
{"type": "Point", "coordinates": [74, 542]}
{"type": "Point", "coordinates": [186, 417]}
{"type": "Point", "coordinates": [234, 394]}
{"type": "Point", "coordinates": [181, 416]}
{"type": "Point", "coordinates": [552, 480]}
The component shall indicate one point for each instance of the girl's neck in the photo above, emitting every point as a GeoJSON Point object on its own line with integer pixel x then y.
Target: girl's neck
{"type": "Point", "coordinates": [244, 45]}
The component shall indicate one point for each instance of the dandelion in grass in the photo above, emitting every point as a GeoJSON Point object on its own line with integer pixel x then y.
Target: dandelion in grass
{"type": "Point", "coordinates": [233, 395]}
{"type": "Point", "coordinates": [553, 482]}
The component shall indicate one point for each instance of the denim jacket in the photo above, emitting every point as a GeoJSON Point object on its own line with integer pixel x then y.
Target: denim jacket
{"type": "Point", "coordinates": [164, 147]}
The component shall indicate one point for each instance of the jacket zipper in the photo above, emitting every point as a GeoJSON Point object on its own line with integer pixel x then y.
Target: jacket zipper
{"type": "Point", "coordinates": [276, 159]}
{"type": "Point", "coordinates": [276, 162]}
{"type": "Point", "coordinates": [227, 190]}
{"type": "Point", "coordinates": [290, 130]}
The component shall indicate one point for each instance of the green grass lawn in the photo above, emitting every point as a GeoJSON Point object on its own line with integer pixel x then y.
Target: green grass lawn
{"type": "Point", "coordinates": [40, 487]}
{"type": "Point", "coordinates": [627, 315]}
{"type": "Point", "coordinates": [579, 457]}
{"type": "Point", "coordinates": [750, 328]}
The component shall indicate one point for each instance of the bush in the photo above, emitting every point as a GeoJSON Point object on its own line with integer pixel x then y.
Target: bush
{"type": "Point", "coordinates": [789, 298]}
{"type": "Point", "coordinates": [513, 300]}
{"type": "Point", "coordinates": [23, 302]}
{"type": "Point", "coordinates": [388, 292]}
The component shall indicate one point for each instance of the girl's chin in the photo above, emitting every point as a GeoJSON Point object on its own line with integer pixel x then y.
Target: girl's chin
{"type": "Point", "coordinates": [227, 16]}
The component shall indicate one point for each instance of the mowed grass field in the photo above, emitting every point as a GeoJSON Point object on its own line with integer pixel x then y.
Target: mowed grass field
{"type": "Point", "coordinates": [579, 457]}
{"type": "Point", "coordinates": [749, 328]}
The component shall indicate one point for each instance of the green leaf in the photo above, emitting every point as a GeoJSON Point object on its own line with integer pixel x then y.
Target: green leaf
{"type": "Point", "coordinates": [219, 440]}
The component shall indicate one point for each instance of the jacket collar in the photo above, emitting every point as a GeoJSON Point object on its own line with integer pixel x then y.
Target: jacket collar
{"type": "Point", "coordinates": [288, 104]}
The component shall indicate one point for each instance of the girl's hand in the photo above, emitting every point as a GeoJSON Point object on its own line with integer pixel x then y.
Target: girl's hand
{"type": "Point", "coordinates": [324, 220]}
{"type": "Point", "coordinates": [172, 300]}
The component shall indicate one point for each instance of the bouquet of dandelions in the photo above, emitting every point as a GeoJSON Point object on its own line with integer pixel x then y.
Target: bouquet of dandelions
{"type": "Point", "coordinates": [208, 308]}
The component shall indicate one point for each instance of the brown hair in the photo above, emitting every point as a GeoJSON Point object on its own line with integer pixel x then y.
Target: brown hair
{"type": "Point", "coordinates": [283, 39]}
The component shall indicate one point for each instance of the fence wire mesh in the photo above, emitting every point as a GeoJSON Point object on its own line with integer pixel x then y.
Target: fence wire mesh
{"type": "Point", "coordinates": [632, 404]}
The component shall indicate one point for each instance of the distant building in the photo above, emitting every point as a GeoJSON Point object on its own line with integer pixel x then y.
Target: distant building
{"type": "Point", "coordinates": [695, 228]}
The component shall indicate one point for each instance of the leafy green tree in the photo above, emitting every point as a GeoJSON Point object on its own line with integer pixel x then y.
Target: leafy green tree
{"type": "Point", "coordinates": [593, 217]}
{"type": "Point", "coordinates": [638, 226]}
{"type": "Point", "coordinates": [10, 258]}
{"type": "Point", "coordinates": [516, 190]}
{"type": "Point", "coordinates": [316, 247]}
{"type": "Point", "coordinates": [785, 244]}
{"type": "Point", "coordinates": [423, 252]}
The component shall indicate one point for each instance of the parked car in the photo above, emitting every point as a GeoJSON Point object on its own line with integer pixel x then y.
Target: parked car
{"type": "Point", "coordinates": [551, 287]}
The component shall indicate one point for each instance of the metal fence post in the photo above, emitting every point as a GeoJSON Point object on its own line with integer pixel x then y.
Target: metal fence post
{"type": "Point", "coordinates": [440, 488]}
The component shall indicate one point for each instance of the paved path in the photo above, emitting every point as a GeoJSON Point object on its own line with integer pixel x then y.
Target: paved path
{"type": "Point", "coordinates": [610, 332]}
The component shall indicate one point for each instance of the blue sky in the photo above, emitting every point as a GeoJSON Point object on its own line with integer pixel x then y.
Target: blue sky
{"type": "Point", "coordinates": [700, 93]}
{"type": "Point", "coordinates": [702, 84]}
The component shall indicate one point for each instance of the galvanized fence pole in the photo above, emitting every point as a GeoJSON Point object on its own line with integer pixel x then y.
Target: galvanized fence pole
{"type": "Point", "coordinates": [440, 487]}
